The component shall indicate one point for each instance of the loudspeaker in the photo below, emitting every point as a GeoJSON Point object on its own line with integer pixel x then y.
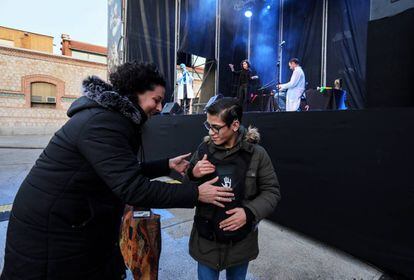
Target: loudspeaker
{"type": "Point", "coordinates": [172, 108]}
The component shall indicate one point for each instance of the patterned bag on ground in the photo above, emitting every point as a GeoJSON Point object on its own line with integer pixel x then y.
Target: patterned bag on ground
{"type": "Point", "coordinates": [140, 244]}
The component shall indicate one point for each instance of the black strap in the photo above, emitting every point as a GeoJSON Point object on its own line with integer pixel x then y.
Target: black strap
{"type": "Point", "coordinates": [208, 228]}
{"type": "Point", "coordinates": [203, 149]}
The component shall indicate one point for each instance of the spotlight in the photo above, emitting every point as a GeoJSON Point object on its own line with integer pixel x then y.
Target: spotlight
{"type": "Point", "coordinates": [248, 13]}
{"type": "Point", "coordinates": [268, 7]}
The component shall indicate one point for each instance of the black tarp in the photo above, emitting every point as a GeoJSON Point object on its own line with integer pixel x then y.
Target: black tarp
{"type": "Point", "coordinates": [347, 46]}
{"type": "Point", "coordinates": [150, 35]}
{"type": "Point", "coordinates": [346, 176]}
{"type": "Point", "coordinates": [390, 60]}
{"type": "Point", "coordinates": [302, 32]}
{"type": "Point", "coordinates": [264, 41]}
{"type": "Point", "coordinates": [198, 27]}
{"type": "Point", "coordinates": [233, 44]}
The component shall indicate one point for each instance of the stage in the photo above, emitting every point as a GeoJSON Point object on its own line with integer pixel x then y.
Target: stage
{"type": "Point", "coordinates": [346, 176]}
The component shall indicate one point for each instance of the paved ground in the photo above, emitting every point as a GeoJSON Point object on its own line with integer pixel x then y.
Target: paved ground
{"type": "Point", "coordinates": [24, 141]}
{"type": "Point", "coordinates": [284, 254]}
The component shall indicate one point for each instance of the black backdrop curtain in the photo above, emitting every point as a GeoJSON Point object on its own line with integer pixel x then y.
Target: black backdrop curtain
{"type": "Point", "coordinates": [150, 35]}
{"type": "Point", "coordinates": [343, 184]}
{"type": "Point", "coordinates": [233, 42]}
{"type": "Point", "coordinates": [302, 31]}
{"type": "Point", "coordinates": [198, 27]}
{"type": "Point", "coordinates": [390, 72]}
{"type": "Point", "coordinates": [264, 40]}
{"type": "Point", "coordinates": [347, 46]}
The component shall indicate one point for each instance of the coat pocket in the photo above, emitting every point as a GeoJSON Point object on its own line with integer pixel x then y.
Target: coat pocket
{"type": "Point", "coordinates": [251, 190]}
{"type": "Point", "coordinates": [87, 218]}
{"type": "Point", "coordinates": [72, 213]}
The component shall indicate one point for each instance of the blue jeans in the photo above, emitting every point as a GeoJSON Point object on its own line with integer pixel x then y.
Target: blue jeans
{"type": "Point", "coordinates": [237, 272]}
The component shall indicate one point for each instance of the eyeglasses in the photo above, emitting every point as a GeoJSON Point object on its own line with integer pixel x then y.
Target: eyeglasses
{"type": "Point", "coordinates": [214, 128]}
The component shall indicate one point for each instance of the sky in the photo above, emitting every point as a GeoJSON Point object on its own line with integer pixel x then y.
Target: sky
{"type": "Point", "coordinates": [83, 20]}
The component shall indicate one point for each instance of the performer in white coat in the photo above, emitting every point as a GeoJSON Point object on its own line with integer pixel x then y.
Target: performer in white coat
{"type": "Point", "coordinates": [295, 87]}
{"type": "Point", "coordinates": [185, 93]}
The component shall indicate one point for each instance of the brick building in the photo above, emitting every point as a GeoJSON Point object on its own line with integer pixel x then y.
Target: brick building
{"type": "Point", "coordinates": [82, 50]}
{"type": "Point", "coordinates": [11, 37]}
{"type": "Point", "coordinates": [37, 87]}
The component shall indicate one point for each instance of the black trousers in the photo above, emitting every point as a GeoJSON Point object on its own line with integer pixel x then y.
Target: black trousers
{"type": "Point", "coordinates": [242, 94]}
{"type": "Point", "coordinates": [185, 104]}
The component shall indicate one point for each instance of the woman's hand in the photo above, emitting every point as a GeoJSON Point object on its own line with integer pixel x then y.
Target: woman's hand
{"type": "Point", "coordinates": [208, 193]}
{"type": "Point", "coordinates": [203, 167]}
{"type": "Point", "coordinates": [180, 164]}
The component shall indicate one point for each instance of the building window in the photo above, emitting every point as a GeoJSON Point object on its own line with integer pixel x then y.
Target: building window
{"type": "Point", "coordinates": [6, 43]}
{"type": "Point", "coordinates": [89, 56]}
{"type": "Point", "coordinates": [43, 95]}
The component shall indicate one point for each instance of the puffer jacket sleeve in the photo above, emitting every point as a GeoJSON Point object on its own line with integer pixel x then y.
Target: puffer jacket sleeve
{"type": "Point", "coordinates": [268, 187]}
{"type": "Point", "coordinates": [156, 168]}
{"type": "Point", "coordinates": [104, 142]}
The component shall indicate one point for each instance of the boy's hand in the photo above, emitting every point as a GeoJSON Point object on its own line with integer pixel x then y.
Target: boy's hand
{"type": "Point", "coordinates": [235, 221]}
{"type": "Point", "coordinates": [203, 167]}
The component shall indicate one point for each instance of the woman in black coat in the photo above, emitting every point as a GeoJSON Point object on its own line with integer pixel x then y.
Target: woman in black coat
{"type": "Point", "coordinates": [66, 215]}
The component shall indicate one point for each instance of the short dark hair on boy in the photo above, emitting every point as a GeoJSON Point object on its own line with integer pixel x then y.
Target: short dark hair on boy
{"type": "Point", "coordinates": [228, 109]}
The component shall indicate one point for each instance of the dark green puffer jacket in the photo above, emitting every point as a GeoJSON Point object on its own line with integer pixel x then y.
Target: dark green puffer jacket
{"type": "Point", "coordinates": [261, 197]}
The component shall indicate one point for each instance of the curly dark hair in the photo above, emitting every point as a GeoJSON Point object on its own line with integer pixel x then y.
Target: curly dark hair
{"type": "Point", "coordinates": [136, 77]}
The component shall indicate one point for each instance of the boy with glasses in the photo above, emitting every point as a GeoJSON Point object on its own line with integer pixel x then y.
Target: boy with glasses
{"type": "Point", "coordinates": [227, 237]}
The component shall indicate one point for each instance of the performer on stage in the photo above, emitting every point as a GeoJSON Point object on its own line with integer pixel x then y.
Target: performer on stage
{"type": "Point", "coordinates": [185, 89]}
{"type": "Point", "coordinates": [341, 99]}
{"type": "Point", "coordinates": [246, 76]}
{"type": "Point", "coordinates": [295, 87]}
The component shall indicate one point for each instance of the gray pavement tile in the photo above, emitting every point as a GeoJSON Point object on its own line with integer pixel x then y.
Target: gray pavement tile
{"type": "Point", "coordinates": [3, 230]}
{"type": "Point", "coordinates": [25, 141]}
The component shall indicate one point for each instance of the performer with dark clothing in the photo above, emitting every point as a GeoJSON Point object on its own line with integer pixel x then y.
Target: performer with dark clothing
{"type": "Point", "coordinates": [246, 75]}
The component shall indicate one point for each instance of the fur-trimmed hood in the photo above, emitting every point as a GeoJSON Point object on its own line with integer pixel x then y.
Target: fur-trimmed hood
{"type": "Point", "coordinates": [250, 135]}
{"type": "Point", "coordinates": [97, 93]}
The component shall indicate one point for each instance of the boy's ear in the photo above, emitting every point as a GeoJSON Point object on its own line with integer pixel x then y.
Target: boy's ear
{"type": "Point", "coordinates": [235, 125]}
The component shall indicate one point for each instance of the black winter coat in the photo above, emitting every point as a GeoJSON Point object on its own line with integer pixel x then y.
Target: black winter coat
{"type": "Point", "coordinates": [66, 215]}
